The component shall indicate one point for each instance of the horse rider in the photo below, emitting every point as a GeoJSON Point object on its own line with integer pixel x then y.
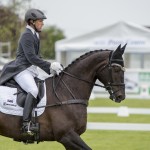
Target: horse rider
{"type": "Point", "coordinates": [24, 68]}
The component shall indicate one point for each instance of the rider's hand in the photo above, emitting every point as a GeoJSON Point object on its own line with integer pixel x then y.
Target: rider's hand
{"type": "Point", "coordinates": [55, 68]}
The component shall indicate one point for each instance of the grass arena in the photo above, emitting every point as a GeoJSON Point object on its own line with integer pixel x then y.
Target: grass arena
{"type": "Point", "coordinates": [107, 139]}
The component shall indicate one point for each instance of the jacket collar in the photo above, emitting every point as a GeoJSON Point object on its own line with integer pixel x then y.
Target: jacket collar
{"type": "Point", "coordinates": [32, 30]}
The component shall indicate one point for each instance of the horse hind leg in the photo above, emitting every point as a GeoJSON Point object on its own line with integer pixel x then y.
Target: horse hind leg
{"type": "Point", "coordinates": [72, 141]}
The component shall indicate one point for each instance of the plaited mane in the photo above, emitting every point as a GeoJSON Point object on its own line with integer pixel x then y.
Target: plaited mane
{"type": "Point", "coordinates": [84, 56]}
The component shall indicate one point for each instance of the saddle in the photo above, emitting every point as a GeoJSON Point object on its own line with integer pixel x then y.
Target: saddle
{"type": "Point", "coordinates": [20, 100]}
{"type": "Point", "coordinates": [21, 94]}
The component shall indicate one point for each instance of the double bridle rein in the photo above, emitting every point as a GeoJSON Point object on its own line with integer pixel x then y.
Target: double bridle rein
{"type": "Point", "coordinates": [108, 87]}
{"type": "Point", "coordinates": [110, 83]}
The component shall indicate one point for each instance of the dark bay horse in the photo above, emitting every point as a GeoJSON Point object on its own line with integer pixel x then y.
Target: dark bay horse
{"type": "Point", "coordinates": [65, 115]}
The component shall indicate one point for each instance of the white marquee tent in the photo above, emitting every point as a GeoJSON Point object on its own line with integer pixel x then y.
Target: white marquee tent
{"type": "Point", "coordinates": [137, 37]}
{"type": "Point", "coordinates": [137, 54]}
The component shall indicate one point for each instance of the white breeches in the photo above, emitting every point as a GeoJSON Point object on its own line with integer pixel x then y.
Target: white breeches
{"type": "Point", "coordinates": [26, 81]}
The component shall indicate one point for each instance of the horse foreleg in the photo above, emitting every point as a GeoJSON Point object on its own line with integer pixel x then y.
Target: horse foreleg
{"type": "Point", "coordinates": [72, 141]}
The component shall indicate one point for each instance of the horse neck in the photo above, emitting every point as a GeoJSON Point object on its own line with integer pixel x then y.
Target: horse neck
{"type": "Point", "coordinates": [85, 68]}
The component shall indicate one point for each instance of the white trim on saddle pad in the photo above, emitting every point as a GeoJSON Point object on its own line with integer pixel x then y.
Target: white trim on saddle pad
{"type": "Point", "coordinates": [8, 103]}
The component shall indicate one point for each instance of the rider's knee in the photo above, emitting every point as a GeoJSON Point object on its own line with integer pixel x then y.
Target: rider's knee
{"type": "Point", "coordinates": [34, 92]}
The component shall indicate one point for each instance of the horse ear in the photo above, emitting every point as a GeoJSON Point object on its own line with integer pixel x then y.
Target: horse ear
{"type": "Point", "coordinates": [123, 48]}
{"type": "Point", "coordinates": [118, 48]}
{"type": "Point", "coordinates": [118, 55]}
{"type": "Point", "coordinates": [117, 51]}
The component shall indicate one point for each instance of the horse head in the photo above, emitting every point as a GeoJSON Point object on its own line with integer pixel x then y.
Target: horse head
{"type": "Point", "coordinates": [112, 74]}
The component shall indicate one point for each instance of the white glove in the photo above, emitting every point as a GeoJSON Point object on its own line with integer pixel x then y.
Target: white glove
{"type": "Point", "coordinates": [55, 68]}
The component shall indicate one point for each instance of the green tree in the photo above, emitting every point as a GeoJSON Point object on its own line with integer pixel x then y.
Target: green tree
{"type": "Point", "coordinates": [11, 25]}
{"type": "Point", "coordinates": [49, 36]}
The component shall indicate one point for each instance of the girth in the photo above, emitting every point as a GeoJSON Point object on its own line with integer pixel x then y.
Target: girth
{"type": "Point", "coordinates": [68, 102]}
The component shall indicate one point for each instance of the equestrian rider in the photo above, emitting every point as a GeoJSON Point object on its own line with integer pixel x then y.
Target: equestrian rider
{"type": "Point", "coordinates": [24, 68]}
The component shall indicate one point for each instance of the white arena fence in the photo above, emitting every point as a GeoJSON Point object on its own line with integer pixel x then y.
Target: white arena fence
{"type": "Point", "coordinates": [118, 126]}
{"type": "Point", "coordinates": [122, 111]}
{"type": "Point", "coordinates": [117, 110]}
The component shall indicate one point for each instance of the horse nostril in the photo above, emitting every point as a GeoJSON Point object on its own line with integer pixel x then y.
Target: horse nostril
{"type": "Point", "coordinates": [119, 98]}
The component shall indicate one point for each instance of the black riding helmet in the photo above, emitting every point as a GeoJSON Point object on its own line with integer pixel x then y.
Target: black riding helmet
{"type": "Point", "coordinates": [34, 14]}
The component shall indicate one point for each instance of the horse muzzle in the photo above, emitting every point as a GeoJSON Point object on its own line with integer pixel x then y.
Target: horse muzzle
{"type": "Point", "coordinates": [117, 98]}
{"type": "Point", "coordinates": [117, 95]}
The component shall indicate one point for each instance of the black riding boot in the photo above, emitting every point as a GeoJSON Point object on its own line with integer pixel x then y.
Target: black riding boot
{"type": "Point", "coordinates": [27, 113]}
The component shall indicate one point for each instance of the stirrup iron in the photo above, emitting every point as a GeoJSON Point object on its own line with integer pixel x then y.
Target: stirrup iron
{"type": "Point", "coordinates": [28, 129]}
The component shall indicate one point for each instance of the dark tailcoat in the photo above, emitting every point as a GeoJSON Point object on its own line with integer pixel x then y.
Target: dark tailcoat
{"type": "Point", "coordinates": [27, 55]}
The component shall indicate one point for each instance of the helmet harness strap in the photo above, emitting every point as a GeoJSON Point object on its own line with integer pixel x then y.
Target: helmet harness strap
{"type": "Point", "coordinates": [32, 22]}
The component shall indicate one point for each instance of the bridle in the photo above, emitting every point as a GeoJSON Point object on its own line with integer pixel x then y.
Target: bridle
{"type": "Point", "coordinates": [110, 83]}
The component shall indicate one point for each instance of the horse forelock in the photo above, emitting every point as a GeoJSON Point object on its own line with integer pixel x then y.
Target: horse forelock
{"type": "Point", "coordinates": [84, 56]}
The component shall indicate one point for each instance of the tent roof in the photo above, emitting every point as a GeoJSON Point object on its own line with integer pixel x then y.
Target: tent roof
{"type": "Point", "coordinates": [109, 37]}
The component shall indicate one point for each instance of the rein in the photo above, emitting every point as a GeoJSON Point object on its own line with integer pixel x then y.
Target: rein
{"type": "Point", "coordinates": [73, 101]}
{"type": "Point", "coordinates": [95, 84]}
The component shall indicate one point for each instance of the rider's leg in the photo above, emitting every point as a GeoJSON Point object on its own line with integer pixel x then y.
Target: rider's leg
{"type": "Point", "coordinates": [28, 107]}
{"type": "Point", "coordinates": [26, 81]}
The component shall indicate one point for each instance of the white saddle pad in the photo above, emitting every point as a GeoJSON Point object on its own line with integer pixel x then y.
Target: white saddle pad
{"type": "Point", "coordinates": [8, 104]}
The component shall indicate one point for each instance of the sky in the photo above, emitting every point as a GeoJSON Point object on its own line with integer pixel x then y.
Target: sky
{"type": "Point", "coordinates": [79, 17]}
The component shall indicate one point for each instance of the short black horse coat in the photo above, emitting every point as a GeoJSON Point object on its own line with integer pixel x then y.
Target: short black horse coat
{"type": "Point", "coordinates": [27, 55]}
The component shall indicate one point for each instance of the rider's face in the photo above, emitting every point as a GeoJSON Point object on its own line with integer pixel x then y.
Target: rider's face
{"type": "Point", "coordinates": [39, 24]}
